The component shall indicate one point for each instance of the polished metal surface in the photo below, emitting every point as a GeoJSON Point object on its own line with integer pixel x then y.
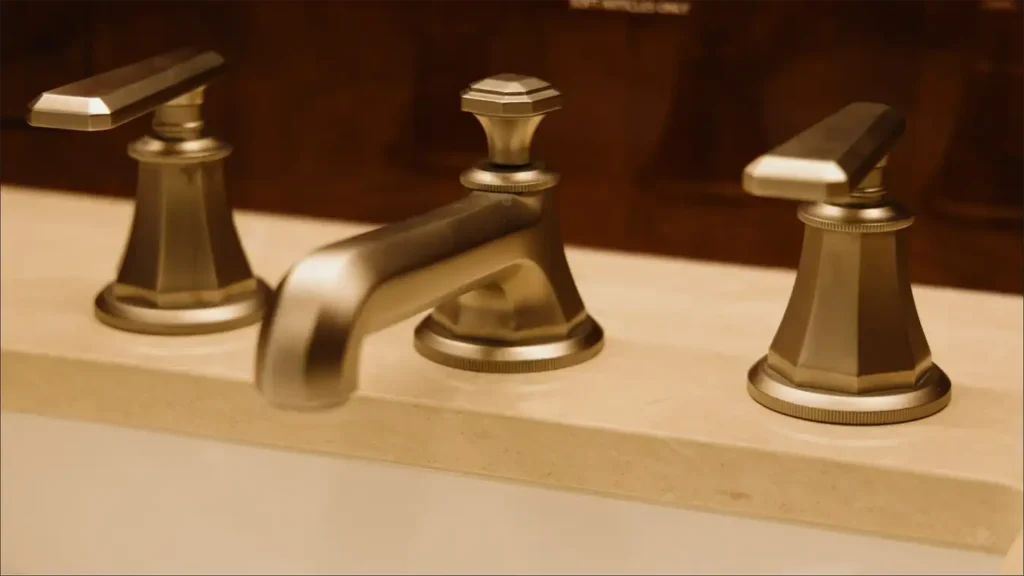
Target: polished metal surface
{"type": "Point", "coordinates": [850, 348]}
{"type": "Point", "coordinates": [509, 107]}
{"type": "Point", "coordinates": [184, 270]}
{"type": "Point", "coordinates": [112, 98]}
{"type": "Point", "coordinates": [492, 266]}
{"type": "Point", "coordinates": [830, 162]}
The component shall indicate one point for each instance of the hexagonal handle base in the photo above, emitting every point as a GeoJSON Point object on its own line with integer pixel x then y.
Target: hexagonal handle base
{"type": "Point", "coordinates": [184, 270]}
{"type": "Point", "coordinates": [773, 391]}
{"type": "Point", "coordinates": [141, 315]}
{"type": "Point", "coordinates": [850, 348]}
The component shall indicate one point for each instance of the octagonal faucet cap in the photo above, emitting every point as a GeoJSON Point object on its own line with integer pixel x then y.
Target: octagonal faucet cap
{"type": "Point", "coordinates": [511, 95]}
{"type": "Point", "coordinates": [509, 107]}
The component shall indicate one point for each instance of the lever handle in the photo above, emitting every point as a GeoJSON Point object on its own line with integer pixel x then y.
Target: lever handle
{"type": "Point", "coordinates": [110, 99]}
{"type": "Point", "coordinates": [832, 160]}
{"type": "Point", "coordinates": [510, 107]}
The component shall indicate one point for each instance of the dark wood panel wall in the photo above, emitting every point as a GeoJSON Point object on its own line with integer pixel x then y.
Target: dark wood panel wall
{"type": "Point", "coordinates": [349, 109]}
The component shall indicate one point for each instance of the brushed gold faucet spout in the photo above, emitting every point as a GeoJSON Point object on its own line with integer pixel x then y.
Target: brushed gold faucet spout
{"type": "Point", "coordinates": [491, 266]}
{"type": "Point", "coordinates": [491, 262]}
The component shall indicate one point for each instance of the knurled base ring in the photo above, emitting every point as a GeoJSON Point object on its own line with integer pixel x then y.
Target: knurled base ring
{"type": "Point", "coordinates": [437, 344]}
{"type": "Point", "coordinates": [488, 177]}
{"type": "Point", "coordinates": [931, 394]}
{"type": "Point", "coordinates": [876, 219]}
{"type": "Point", "coordinates": [135, 315]}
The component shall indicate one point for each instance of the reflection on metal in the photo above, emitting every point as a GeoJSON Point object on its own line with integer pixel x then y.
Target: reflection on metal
{"type": "Point", "coordinates": [850, 348]}
{"type": "Point", "coordinates": [184, 270]}
{"type": "Point", "coordinates": [491, 265]}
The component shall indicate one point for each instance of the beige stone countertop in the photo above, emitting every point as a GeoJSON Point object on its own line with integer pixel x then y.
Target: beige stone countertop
{"type": "Point", "coordinates": [661, 415]}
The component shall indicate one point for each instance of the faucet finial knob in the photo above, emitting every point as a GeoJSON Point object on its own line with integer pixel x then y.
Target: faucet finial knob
{"type": "Point", "coordinates": [510, 107]}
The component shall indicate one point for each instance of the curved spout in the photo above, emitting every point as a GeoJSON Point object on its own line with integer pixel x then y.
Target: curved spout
{"type": "Point", "coordinates": [310, 340]}
{"type": "Point", "coordinates": [305, 335]}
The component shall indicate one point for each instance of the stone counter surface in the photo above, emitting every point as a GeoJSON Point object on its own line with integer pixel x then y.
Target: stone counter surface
{"type": "Point", "coordinates": [661, 415]}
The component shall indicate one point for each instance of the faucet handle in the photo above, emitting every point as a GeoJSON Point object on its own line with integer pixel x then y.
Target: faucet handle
{"type": "Point", "coordinates": [510, 107]}
{"type": "Point", "coordinates": [184, 270]}
{"type": "Point", "coordinates": [112, 98]}
{"type": "Point", "coordinates": [838, 160]}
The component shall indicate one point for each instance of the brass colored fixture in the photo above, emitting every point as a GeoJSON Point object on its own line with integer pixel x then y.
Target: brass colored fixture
{"type": "Point", "coordinates": [850, 349]}
{"type": "Point", "coordinates": [491, 264]}
{"type": "Point", "coordinates": [184, 270]}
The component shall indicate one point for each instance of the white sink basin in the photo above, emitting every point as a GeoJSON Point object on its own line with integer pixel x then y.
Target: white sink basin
{"type": "Point", "coordinates": [88, 498]}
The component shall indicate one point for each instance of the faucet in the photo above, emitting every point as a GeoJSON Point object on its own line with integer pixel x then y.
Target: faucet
{"type": "Point", "coordinates": [183, 270]}
{"type": "Point", "coordinates": [491, 265]}
{"type": "Point", "coordinates": [850, 348]}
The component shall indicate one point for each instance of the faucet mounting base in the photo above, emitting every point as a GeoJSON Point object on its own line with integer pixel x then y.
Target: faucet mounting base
{"type": "Point", "coordinates": [137, 315]}
{"type": "Point", "coordinates": [930, 395]}
{"type": "Point", "coordinates": [439, 345]}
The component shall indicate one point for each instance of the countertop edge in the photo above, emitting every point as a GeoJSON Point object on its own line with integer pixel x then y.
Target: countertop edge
{"type": "Point", "coordinates": [688, 473]}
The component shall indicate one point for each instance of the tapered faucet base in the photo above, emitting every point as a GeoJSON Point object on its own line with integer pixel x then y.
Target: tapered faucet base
{"type": "Point", "coordinates": [770, 389]}
{"type": "Point", "coordinates": [134, 314]}
{"type": "Point", "coordinates": [437, 344]}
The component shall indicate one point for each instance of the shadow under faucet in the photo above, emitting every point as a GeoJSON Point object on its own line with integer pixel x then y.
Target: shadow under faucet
{"type": "Point", "coordinates": [492, 264]}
